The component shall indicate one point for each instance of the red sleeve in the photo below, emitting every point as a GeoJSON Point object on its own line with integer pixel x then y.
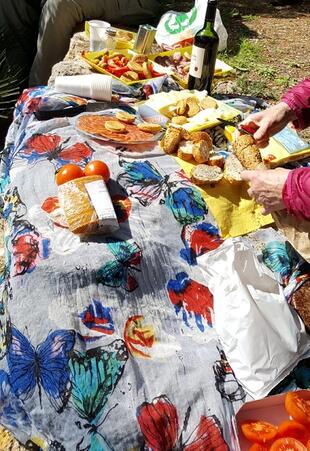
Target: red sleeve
{"type": "Point", "coordinates": [296, 193]}
{"type": "Point", "coordinates": [298, 99]}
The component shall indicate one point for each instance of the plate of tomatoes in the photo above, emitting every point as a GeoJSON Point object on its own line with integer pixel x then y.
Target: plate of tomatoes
{"type": "Point", "coordinates": [129, 68]}
{"type": "Point", "coordinates": [280, 426]}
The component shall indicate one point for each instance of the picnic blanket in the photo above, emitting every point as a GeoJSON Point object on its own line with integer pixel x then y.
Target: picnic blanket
{"type": "Point", "coordinates": [108, 343]}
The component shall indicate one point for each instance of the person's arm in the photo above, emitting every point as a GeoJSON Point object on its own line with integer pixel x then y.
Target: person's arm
{"type": "Point", "coordinates": [294, 107]}
{"type": "Point", "coordinates": [296, 193]}
{"type": "Point", "coordinates": [298, 100]}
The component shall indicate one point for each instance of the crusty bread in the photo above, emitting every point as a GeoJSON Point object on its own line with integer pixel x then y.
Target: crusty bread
{"type": "Point", "coordinates": [172, 139]}
{"type": "Point", "coordinates": [201, 151]}
{"type": "Point", "coordinates": [216, 160]}
{"type": "Point", "coordinates": [301, 302]}
{"type": "Point", "coordinates": [233, 169]}
{"type": "Point", "coordinates": [180, 120]}
{"type": "Point", "coordinates": [185, 150]}
{"type": "Point", "coordinates": [247, 152]}
{"type": "Point", "coordinates": [201, 136]}
{"type": "Point", "coordinates": [202, 175]}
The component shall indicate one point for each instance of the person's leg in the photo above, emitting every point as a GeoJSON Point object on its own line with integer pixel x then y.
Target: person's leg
{"type": "Point", "coordinates": [60, 17]}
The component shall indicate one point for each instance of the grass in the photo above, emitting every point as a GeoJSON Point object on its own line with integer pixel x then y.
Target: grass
{"type": "Point", "coordinates": [249, 61]}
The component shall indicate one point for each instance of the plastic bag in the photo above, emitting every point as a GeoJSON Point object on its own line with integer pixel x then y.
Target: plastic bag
{"type": "Point", "coordinates": [263, 338]}
{"type": "Point", "coordinates": [177, 29]}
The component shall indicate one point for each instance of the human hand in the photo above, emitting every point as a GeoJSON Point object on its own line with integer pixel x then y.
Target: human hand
{"type": "Point", "coordinates": [266, 187]}
{"type": "Point", "coordinates": [269, 122]}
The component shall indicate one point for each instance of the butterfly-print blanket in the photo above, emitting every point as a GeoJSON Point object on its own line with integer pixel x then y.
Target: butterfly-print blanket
{"type": "Point", "coordinates": [108, 344]}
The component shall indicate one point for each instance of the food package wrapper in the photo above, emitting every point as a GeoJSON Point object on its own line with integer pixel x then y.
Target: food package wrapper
{"type": "Point", "coordinates": [87, 206]}
{"type": "Point", "coordinates": [263, 338]}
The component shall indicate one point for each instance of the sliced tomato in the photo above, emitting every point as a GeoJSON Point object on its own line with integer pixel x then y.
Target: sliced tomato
{"type": "Point", "coordinates": [259, 431]}
{"type": "Point", "coordinates": [258, 447]}
{"type": "Point", "coordinates": [298, 408]}
{"type": "Point", "coordinates": [291, 428]}
{"type": "Point", "coordinates": [287, 444]}
{"type": "Point", "coordinates": [118, 72]}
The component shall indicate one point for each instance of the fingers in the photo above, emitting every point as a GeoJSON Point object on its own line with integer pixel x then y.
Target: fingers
{"type": "Point", "coordinates": [248, 176]}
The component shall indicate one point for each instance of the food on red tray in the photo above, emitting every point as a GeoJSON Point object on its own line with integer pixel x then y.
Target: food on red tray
{"type": "Point", "coordinates": [126, 67]}
{"type": "Point", "coordinates": [125, 117]}
{"type": "Point", "coordinates": [298, 408]}
{"type": "Point", "coordinates": [287, 444]}
{"type": "Point", "coordinates": [177, 62]}
{"type": "Point", "coordinates": [115, 126]}
{"type": "Point", "coordinates": [97, 167]}
{"type": "Point", "coordinates": [68, 172]}
{"type": "Point", "coordinates": [95, 125]}
{"type": "Point", "coordinates": [149, 127]}
{"type": "Point", "coordinates": [259, 431]}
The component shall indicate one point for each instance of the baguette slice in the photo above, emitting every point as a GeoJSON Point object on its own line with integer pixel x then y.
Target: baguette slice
{"type": "Point", "coordinates": [216, 160]}
{"type": "Point", "coordinates": [185, 150]}
{"type": "Point", "coordinates": [202, 175]}
{"type": "Point", "coordinates": [201, 151]}
{"type": "Point", "coordinates": [233, 169]}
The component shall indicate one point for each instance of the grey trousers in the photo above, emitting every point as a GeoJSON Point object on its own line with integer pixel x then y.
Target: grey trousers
{"type": "Point", "coordinates": [60, 17]}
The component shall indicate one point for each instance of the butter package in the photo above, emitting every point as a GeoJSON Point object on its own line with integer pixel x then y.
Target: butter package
{"type": "Point", "coordinates": [87, 206]}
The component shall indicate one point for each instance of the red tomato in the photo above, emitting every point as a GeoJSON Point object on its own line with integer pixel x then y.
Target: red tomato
{"type": "Point", "coordinates": [298, 408]}
{"type": "Point", "coordinates": [258, 447]}
{"type": "Point", "coordinates": [97, 167]}
{"type": "Point", "coordinates": [287, 444]}
{"type": "Point", "coordinates": [259, 431]}
{"type": "Point", "coordinates": [291, 428]}
{"type": "Point", "coordinates": [68, 172]}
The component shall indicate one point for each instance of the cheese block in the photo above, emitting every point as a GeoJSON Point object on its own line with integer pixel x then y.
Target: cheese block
{"type": "Point", "coordinates": [87, 206]}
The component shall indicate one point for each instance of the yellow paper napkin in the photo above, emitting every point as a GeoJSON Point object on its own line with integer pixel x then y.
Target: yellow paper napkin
{"type": "Point", "coordinates": [234, 211]}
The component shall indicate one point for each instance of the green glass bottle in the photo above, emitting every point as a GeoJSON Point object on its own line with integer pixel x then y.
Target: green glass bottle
{"type": "Point", "coordinates": [204, 52]}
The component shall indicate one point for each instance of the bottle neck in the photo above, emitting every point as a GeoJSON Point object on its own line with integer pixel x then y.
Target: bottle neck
{"type": "Point", "coordinates": [210, 14]}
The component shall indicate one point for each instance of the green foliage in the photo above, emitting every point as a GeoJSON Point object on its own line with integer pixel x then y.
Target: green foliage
{"type": "Point", "coordinates": [10, 82]}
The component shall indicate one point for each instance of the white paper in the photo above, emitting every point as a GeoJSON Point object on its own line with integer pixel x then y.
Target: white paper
{"type": "Point", "coordinates": [263, 338]}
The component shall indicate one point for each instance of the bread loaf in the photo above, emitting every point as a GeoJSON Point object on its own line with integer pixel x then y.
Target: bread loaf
{"type": "Point", "coordinates": [202, 175]}
{"type": "Point", "coordinates": [247, 152]}
{"type": "Point", "coordinates": [216, 160]}
{"type": "Point", "coordinates": [301, 302]}
{"type": "Point", "coordinates": [185, 150]}
{"type": "Point", "coordinates": [87, 206]}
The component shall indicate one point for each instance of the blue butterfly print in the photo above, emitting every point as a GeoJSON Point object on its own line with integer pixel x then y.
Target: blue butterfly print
{"type": "Point", "coordinates": [12, 413]}
{"type": "Point", "coordinates": [145, 183]}
{"type": "Point", "coordinates": [118, 273]}
{"type": "Point", "coordinates": [45, 366]}
{"type": "Point", "coordinates": [94, 376]}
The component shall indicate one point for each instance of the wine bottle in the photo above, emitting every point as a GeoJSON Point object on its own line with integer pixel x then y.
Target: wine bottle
{"type": "Point", "coordinates": [204, 53]}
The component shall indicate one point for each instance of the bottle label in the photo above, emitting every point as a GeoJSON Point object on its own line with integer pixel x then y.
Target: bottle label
{"type": "Point", "coordinates": [197, 59]}
{"type": "Point", "coordinates": [102, 203]}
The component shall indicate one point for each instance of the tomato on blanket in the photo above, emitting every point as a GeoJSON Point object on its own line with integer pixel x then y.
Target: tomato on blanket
{"type": "Point", "coordinates": [68, 172]}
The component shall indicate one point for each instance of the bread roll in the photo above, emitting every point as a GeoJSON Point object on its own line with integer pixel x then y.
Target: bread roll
{"type": "Point", "coordinates": [201, 151]}
{"type": "Point", "coordinates": [185, 150]}
{"type": "Point", "coordinates": [172, 139]}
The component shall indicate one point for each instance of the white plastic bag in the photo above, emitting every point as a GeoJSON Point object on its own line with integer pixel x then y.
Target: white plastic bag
{"type": "Point", "coordinates": [263, 338]}
{"type": "Point", "coordinates": [175, 27]}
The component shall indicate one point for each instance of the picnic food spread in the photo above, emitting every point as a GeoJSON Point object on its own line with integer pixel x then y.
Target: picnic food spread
{"type": "Point", "coordinates": [116, 209]}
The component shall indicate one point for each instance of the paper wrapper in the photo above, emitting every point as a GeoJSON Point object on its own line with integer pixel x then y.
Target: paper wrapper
{"type": "Point", "coordinates": [262, 336]}
{"type": "Point", "coordinates": [296, 231]}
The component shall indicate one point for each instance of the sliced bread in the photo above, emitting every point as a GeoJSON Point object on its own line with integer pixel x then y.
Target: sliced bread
{"type": "Point", "coordinates": [216, 159]}
{"type": "Point", "coordinates": [201, 151]}
{"type": "Point", "coordinates": [185, 150]}
{"type": "Point", "coordinates": [172, 139]}
{"type": "Point", "coordinates": [233, 169]}
{"type": "Point", "coordinates": [202, 175]}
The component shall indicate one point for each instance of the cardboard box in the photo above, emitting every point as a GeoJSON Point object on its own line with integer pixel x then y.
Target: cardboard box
{"type": "Point", "coordinates": [269, 409]}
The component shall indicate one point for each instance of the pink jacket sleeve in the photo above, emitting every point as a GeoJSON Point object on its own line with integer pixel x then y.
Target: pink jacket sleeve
{"type": "Point", "coordinates": [296, 193]}
{"type": "Point", "coordinates": [298, 99]}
